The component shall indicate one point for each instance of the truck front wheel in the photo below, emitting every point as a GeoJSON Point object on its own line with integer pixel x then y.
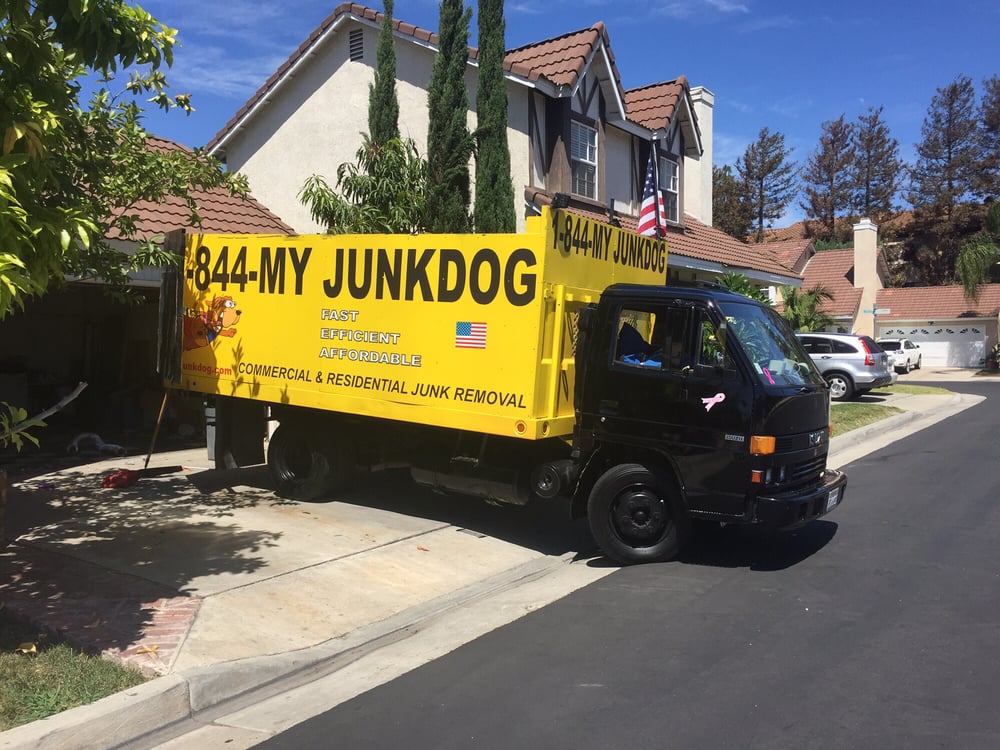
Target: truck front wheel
{"type": "Point", "coordinates": [636, 516]}
{"type": "Point", "coordinates": [304, 465]}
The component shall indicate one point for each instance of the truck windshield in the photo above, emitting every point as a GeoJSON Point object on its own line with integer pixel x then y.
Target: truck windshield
{"type": "Point", "coordinates": [777, 357]}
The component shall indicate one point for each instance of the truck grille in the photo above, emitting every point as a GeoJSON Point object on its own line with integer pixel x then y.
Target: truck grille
{"type": "Point", "coordinates": [806, 471]}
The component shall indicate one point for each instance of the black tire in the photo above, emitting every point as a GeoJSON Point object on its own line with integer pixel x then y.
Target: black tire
{"type": "Point", "coordinates": [841, 386]}
{"type": "Point", "coordinates": [304, 465]}
{"type": "Point", "coordinates": [906, 367]}
{"type": "Point", "coordinates": [636, 515]}
{"type": "Point", "coordinates": [917, 366]}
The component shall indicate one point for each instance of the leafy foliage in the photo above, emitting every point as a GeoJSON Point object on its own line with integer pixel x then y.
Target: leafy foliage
{"type": "Point", "coordinates": [827, 177]}
{"type": "Point", "coordinates": [803, 309]}
{"type": "Point", "coordinates": [14, 426]}
{"type": "Point", "coordinates": [71, 174]}
{"type": "Point", "coordinates": [739, 283]}
{"type": "Point", "coordinates": [449, 143]}
{"type": "Point", "coordinates": [382, 193]}
{"type": "Point", "coordinates": [980, 255]}
{"type": "Point", "coordinates": [494, 206]}
{"type": "Point", "coordinates": [767, 179]}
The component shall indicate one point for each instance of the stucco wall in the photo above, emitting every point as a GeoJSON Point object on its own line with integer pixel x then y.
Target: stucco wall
{"type": "Point", "coordinates": [313, 123]}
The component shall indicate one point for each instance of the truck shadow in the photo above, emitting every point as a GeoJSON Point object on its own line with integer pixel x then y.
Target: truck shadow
{"type": "Point", "coordinates": [756, 548]}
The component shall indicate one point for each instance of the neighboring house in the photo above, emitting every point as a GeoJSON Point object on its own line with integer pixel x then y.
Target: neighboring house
{"type": "Point", "coordinates": [78, 332]}
{"type": "Point", "coordinates": [573, 132]}
{"type": "Point", "coordinates": [950, 329]}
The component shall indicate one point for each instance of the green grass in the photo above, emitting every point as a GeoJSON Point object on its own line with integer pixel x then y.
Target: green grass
{"type": "Point", "coordinates": [33, 686]}
{"type": "Point", "coordinates": [851, 415]}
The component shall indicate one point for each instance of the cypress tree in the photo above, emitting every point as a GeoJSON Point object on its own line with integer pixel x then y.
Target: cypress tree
{"type": "Point", "coordinates": [767, 179]}
{"type": "Point", "coordinates": [949, 154]}
{"type": "Point", "coordinates": [827, 177]}
{"type": "Point", "coordinates": [730, 212]}
{"type": "Point", "coordinates": [494, 207]}
{"type": "Point", "coordinates": [988, 180]}
{"type": "Point", "coordinates": [383, 105]}
{"type": "Point", "coordinates": [877, 170]}
{"type": "Point", "coordinates": [449, 143]}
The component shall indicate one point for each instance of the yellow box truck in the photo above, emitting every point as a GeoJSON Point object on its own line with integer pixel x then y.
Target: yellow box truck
{"type": "Point", "coordinates": [551, 364]}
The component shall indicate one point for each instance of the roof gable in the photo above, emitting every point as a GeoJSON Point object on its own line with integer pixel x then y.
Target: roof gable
{"type": "Point", "coordinates": [657, 105]}
{"type": "Point", "coordinates": [834, 271]}
{"type": "Point", "coordinates": [559, 64]}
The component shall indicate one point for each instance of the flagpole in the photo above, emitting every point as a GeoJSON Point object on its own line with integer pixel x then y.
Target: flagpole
{"type": "Point", "coordinates": [656, 186]}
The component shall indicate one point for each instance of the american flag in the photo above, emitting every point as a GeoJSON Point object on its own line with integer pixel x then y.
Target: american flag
{"type": "Point", "coordinates": [470, 335]}
{"type": "Point", "coordinates": [652, 216]}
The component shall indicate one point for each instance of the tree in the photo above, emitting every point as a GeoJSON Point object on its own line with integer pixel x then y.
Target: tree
{"type": "Point", "coordinates": [827, 176]}
{"type": "Point", "coordinates": [730, 212]}
{"type": "Point", "coordinates": [384, 192]}
{"type": "Point", "coordinates": [949, 154]}
{"type": "Point", "coordinates": [383, 105]}
{"type": "Point", "coordinates": [803, 309]}
{"type": "Point", "coordinates": [494, 207]}
{"type": "Point", "coordinates": [449, 143]}
{"type": "Point", "coordinates": [70, 174]}
{"type": "Point", "coordinates": [877, 169]}
{"type": "Point", "coordinates": [987, 184]}
{"type": "Point", "coordinates": [767, 178]}
{"type": "Point", "coordinates": [980, 255]}
{"type": "Point", "coordinates": [739, 283]}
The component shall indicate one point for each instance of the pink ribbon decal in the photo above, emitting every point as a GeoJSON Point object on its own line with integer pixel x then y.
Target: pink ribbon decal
{"type": "Point", "coordinates": [718, 398]}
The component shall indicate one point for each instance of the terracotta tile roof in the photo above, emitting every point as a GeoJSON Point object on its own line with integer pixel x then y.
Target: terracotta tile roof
{"type": "Point", "coordinates": [794, 253]}
{"type": "Point", "coordinates": [806, 228]}
{"type": "Point", "coordinates": [933, 302]}
{"type": "Point", "coordinates": [220, 212]}
{"type": "Point", "coordinates": [700, 242]}
{"type": "Point", "coordinates": [563, 59]}
{"type": "Point", "coordinates": [834, 269]}
{"type": "Point", "coordinates": [653, 106]}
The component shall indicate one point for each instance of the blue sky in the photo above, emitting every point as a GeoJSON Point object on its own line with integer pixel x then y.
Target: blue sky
{"type": "Point", "coordinates": [787, 65]}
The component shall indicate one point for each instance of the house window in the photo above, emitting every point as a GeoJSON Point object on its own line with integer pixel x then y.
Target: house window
{"type": "Point", "coordinates": [356, 44]}
{"type": "Point", "coordinates": [670, 187]}
{"type": "Point", "coordinates": [583, 157]}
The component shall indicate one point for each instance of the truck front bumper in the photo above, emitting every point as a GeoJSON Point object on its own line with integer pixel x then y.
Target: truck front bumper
{"type": "Point", "coordinates": [786, 511]}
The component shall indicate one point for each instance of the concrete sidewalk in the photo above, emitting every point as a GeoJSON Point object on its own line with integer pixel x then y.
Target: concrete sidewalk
{"type": "Point", "coordinates": [229, 594]}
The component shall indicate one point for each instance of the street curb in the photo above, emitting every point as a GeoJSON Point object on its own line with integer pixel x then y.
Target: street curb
{"type": "Point", "coordinates": [152, 712]}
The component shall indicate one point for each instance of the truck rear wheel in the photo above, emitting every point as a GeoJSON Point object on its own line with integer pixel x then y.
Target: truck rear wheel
{"type": "Point", "coordinates": [636, 516]}
{"type": "Point", "coordinates": [304, 465]}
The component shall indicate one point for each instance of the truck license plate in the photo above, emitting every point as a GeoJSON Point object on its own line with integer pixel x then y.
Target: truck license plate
{"type": "Point", "coordinates": [832, 499]}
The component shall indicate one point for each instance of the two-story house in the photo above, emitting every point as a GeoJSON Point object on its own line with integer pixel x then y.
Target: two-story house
{"type": "Point", "coordinates": [575, 134]}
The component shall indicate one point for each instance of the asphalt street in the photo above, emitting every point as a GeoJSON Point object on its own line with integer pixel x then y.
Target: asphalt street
{"type": "Point", "coordinates": [875, 627]}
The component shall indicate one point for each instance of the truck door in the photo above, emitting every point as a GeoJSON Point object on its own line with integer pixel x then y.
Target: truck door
{"type": "Point", "coordinates": [679, 392]}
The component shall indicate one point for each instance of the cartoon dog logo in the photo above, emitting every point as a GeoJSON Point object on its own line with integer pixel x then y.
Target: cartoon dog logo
{"type": "Point", "coordinates": [202, 328]}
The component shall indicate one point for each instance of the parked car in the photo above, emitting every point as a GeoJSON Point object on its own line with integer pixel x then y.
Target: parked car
{"type": "Point", "coordinates": [851, 364]}
{"type": "Point", "coordinates": [905, 354]}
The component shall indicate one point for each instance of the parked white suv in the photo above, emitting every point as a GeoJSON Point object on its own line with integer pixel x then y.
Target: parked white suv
{"type": "Point", "coordinates": [851, 364]}
{"type": "Point", "coordinates": [904, 353]}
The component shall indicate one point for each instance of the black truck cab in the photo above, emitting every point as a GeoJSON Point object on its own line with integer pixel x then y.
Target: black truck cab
{"type": "Point", "coordinates": [695, 402]}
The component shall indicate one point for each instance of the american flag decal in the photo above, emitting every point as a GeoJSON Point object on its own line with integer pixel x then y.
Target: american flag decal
{"type": "Point", "coordinates": [470, 335]}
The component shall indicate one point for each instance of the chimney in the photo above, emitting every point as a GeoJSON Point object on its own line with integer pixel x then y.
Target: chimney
{"type": "Point", "coordinates": [698, 170]}
{"type": "Point", "coordinates": [866, 274]}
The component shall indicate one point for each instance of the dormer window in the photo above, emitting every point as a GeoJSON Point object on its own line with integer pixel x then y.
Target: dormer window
{"type": "Point", "coordinates": [670, 187]}
{"type": "Point", "coordinates": [583, 159]}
